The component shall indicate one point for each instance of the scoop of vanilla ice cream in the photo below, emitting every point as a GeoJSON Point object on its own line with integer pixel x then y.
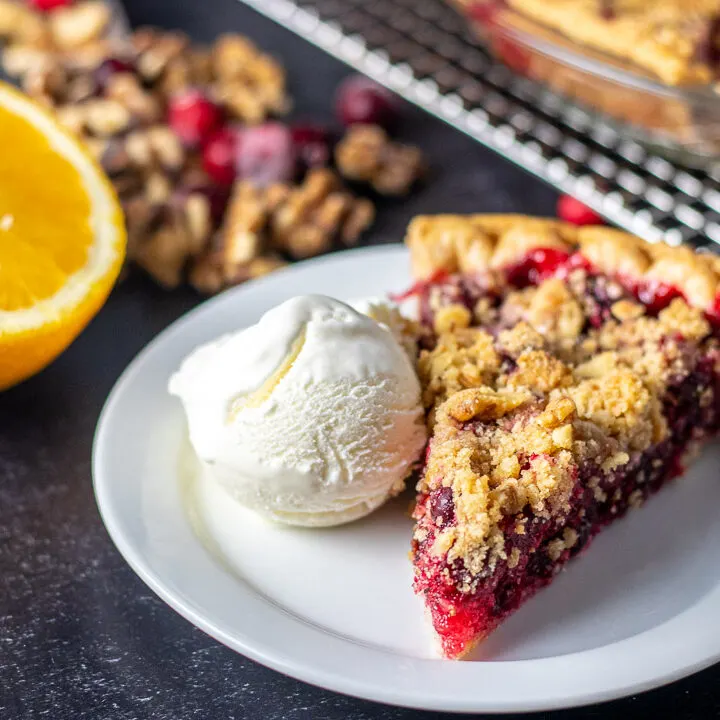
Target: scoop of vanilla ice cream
{"type": "Point", "coordinates": [311, 417]}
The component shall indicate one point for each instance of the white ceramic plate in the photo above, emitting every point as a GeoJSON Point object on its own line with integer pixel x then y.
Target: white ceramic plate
{"type": "Point", "coordinates": [335, 608]}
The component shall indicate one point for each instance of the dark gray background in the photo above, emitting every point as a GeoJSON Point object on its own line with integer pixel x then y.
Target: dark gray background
{"type": "Point", "coordinates": [80, 635]}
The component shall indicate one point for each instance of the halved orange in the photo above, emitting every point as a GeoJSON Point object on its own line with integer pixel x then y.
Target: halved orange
{"type": "Point", "coordinates": [62, 237]}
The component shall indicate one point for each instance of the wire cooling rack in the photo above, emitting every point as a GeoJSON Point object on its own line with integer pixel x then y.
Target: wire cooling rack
{"type": "Point", "coordinates": [422, 50]}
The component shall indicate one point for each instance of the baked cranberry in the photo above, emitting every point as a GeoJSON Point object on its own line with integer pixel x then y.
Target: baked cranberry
{"type": "Point", "coordinates": [312, 146]}
{"type": "Point", "coordinates": [47, 5]}
{"type": "Point", "coordinates": [546, 261]}
{"type": "Point", "coordinates": [266, 154]}
{"type": "Point", "coordinates": [442, 507]}
{"type": "Point", "coordinates": [656, 295]}
{"type": "Point", "coordinates": [109, 67]}
{"type": "Point", "coordinates": [361, 100]}
{"type": "Point", "coordinates": [219, 154]}
{"type": "Point", "coordinates": [194, 117]}
{"type": "Point", "coordinates": [573, 211]}
{"type": "Point", "coordinates": [577, 261]}
{"type": "Point", "coordinates": [538, 265]}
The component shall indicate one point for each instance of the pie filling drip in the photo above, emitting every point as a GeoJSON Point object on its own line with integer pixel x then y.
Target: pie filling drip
{"type": "Point", "coordinates": [558, 397]}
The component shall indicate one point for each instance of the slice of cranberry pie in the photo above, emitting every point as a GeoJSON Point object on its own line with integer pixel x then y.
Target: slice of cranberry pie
{"type": "Point", "coordinates": [568, 374]}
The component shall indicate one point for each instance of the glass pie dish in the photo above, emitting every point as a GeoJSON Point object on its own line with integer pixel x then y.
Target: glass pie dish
{"type": "Point", "coordinates": [681, 121]}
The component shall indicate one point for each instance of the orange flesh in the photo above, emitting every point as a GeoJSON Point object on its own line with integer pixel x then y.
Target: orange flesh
{"type": "Point", "coordinates": [45, 232]}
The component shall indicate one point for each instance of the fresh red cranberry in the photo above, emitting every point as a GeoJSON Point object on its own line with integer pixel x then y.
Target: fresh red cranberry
{"type": "Point", "coordinates": [48, 5]}
{"type": "Point", "coordinates": [219, 154]}
{"type": "Point", "coordinates": [656, 295]}
{"type": "Point", "coordinates": [266, 154]}
{"type": "Point", "coordinates": [573, 211]}
{"type": "Point", "coordinates": [361, 100]}
{"type": "Point", "coordinates": [538, 265]}
{"type": "Point", "coordinates": [109, 67]}
{"type": "Point", "coordinates": [194, 117]}
{"type": "Point", "coordinates": [312, 146]}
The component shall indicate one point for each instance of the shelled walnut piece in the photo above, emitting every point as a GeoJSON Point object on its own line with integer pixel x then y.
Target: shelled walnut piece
{"type": "Point", "coordinates": [299, 222]}
{"type": "Point", "coordinates": [64, 28]}
{"type": "Point", "coordinates": [367, 154]}
{"type": "Point", "coordinates": [249, 84]}
{"type": "Point", "coordinates": [171, 234]}
{"type": "Point", "coordinates": [317, 213]}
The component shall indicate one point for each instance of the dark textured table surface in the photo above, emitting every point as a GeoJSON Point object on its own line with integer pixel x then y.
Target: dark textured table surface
{"type": "Point", "coordinates": [80, 635]}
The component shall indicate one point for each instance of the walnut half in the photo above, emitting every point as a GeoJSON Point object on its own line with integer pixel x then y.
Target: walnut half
{"type": "Point", "coordinates": [366, 154]}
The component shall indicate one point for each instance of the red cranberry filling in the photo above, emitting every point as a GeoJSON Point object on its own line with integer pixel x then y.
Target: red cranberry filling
{"type": "Point", "coordinates": [713, 314]}
{"type": "Point", "coordinates": [442, 507]}
{"type": "Point", "coordinates": [538, 265]}
{"type": "Point", "coordinates": [655, 295]}
{"type": "Point", "coordinates": [601, 294]}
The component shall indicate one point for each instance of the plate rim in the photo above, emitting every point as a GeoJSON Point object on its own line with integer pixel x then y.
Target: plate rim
{"type": "Point", "coordinates": [292, 666]}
